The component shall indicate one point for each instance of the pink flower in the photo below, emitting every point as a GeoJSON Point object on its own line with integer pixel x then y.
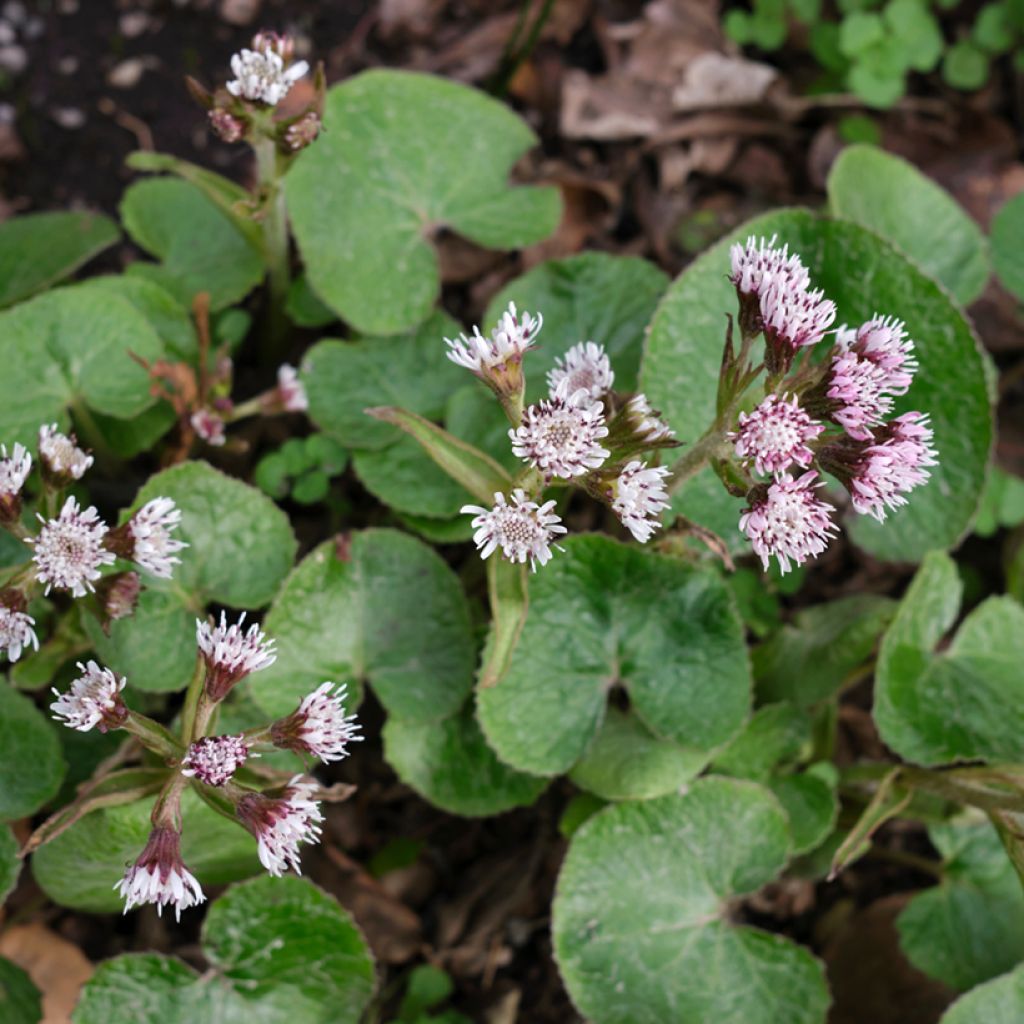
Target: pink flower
{"type": "Point", "coordinates": [159, 876]}
{"type": "Point", "coordinates": [215, 759]}
{"type": "Point", "coordinates": [760, 262]}
{"type": "Point", "coordinates": [281, 824]}
{"type": "Point", "coordinates": [775, 435]}
{"type": "Point", "coordinates": [231, 653]}
{"type": "Point", "coordinates": [891, 468]}
{"type": "Point", "coordinates": [319, 726]}
{"type": "Point", "coordinates": [786, 520]}
{"type": "Point", "coordinates": [209, 427]}
{"type": "Point", "coordinates": [795, 317]}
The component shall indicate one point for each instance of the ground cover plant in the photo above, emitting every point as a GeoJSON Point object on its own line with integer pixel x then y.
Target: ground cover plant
{"type": "Point", "coordinates": [565, 640]}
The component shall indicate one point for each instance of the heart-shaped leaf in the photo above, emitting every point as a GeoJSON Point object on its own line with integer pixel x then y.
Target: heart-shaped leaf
{"type": "Point", "coordinates": [31, 763]}
{"type": "Point", "coordinates": [405, 155]}
{"type": "Point", "coordinates": [641, 913]}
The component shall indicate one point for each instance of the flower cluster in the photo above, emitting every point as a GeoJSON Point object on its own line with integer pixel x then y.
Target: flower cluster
{"type": "Point", "coordinates": [829, 417]}
{"type": "Point", "coordinates": [280, 817]}
{"type": "Point", "coordinates": [266, 73]}
{"type": "Point", "coordinates": [577, 434]}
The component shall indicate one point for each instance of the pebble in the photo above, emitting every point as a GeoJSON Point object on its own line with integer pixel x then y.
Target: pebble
{"type": "Point", "coordinates": [126, 75]}
{"type": "Point", "coordinates": [239, 12]}
{"type": "Point", "coordinates": [68, 117]}
{"type": "Point", "coordinates": [134, 23]}
{"type": "Point", "coordinates": [13, 59]}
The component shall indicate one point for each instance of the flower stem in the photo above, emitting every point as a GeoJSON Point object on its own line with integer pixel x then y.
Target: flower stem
{"type": "Point", "coordinates": [153, 736]}
{"type": "Point", "coordinates": [192, 695]}
{"type": "Point", "coordinates": [275, 237]}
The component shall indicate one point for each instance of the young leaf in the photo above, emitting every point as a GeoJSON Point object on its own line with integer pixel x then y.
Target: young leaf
{"type": "Point", "coordinates": [603, 615]}
{"type": "Point", "coordinates": [594, 296]}
{"type": "Point", "coordinates": [379, 606]}
{"type": "Point", "coordinates": [641, 923]}
{"type": "Point", "coordinates": [39, 249]}
{"type": "Point", "coordinates": [889, 195]}
{"type": "Point", "coordinates": [450, 764]}
{"type": "Point", "coordinates": [407, 154]}
{"type": "Point", "coordinates": [31, 763]}
{"type": "Point", "coordinates": [970, 927]}
{"type": "Point", "coordinates": [684, 352]}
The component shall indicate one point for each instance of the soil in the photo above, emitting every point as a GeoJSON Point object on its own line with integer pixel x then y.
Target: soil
{"type": "Point", "coordinates": [104, 78]}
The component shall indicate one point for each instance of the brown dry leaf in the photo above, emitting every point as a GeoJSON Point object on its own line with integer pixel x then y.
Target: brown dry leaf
{"type": "Point", "coordinates": [57, 967]}
{"type": "Point", "coordinates": [713, 80]}
{"type": "Point", "coordinates": [418, 18]}
{"type": "Point", "coordinates": [610, 107]}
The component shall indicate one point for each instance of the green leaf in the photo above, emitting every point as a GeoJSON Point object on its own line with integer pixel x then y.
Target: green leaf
{"type": "Point", "coordinates": [993, 30]}
{"type": "Point", "coordinates": [31, 763]}
{"type": "Point", "coordinates": [809, 660]}
{"type": "Point", "coordinates": [72, 346]}
{"type": "Point", "coordinates": [916, 28]}
{"type": "Point", "coordinates": [20, 1000]}
{"type": "Point", "coordinates": [625, 762]}
{"type": "Point", "coordinates": [39, 249]}
{"type": "Point", "coordinates": [383, 608]}
{"type": "Point", "coordinates": [889, 195]}
{"type": "Point", "coordinates": [965, 66]}
{"type": "Point", "coordinates": [776, 735]}
{"type": "Point", "coordinates": [405, 155]}
{"type": "Point", "coordinates": [10, 865]}
{"type": "Point", "coordinates": [450, 764]}
{"type": "Point", "coordinates": [970, 927]}
{"type": "Point", "coordinates": [684, 352]}
{"type": "Point", "coordinates": [641, 914]}
{"type": "Point", "coordinates": [80, 867]}
{"type": "Point", "coordinates": [859, 128]}
{"type": "Point", "coordinates": [1002, 503]}
{"type": "Point", "coordinates": [873, 78]}
{"type": "Point", "coordinates": [966, 702]}
{"type": "Point", "coordinates": [1000, 1001]}
{"type": "Point", "coordinates": [320, 972]}
{"type": "Point", "coordinates": [1007, 251]}
{"type": "Point", "coordinates": [859, 32]}
{"type": "Point", "coordinates": [810, 802]}
{"type": "Point", "coordinates": [200, 247]}
{"type": "Point", "coordinates": [304, 307]}
{"type": "Point", "coordinates": [345, 378]}
{"type": "Point", "coordinates": [594, 296]}
{"type": "Point", "coordinates": [604, 615]}
{"type": "Point", "coordinates": [428, 986]}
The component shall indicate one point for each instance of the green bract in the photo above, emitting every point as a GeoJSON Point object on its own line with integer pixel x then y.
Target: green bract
{"type": "Point", "coordinates": [406, 155]}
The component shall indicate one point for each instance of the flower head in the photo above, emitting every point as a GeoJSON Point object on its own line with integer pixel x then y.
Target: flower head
{"type": "Point", "coordinates": [794, 317]}
{"type": "Point", "coordinates": [262, 77]}
{"type": "Point", "coordinates": [152, 546]}
{"type": "Point", "coordinates": [16, 627]}
{"type": "Point", "coordinates": [647, 424]}
{"type": "Point", "coordinates": [209, 427]}
{"type": "Point", "coordinates": [498, 360]}
{"type": "Point", "coordinates": [281, 824]}
{"type": "Point", "coordinates": [304, 131]}
{"type": "Point", "coordinates": [319, 727]}
{"type": "Point", "coordinates": [69, 550]}
{"type": "Point", "coordinates": [118, 595]}
{"type": "Point", "coordinates": [14, 471]}
{"type": "Point", "coordinates": [160, 877]}
{"type": "Point", "coordinates": [232, 654]}
{"type": "Point", "coordinates": [585, 367]}
{"type": "Point", "coordinates": [560, 435]}
{"type": "Point", "coordinates": [760, 263]}
{"type": "Point", "coordinates": [523, 530]}
{"type": "Point", "coordinates": [884, 342]}
{"type": "Point", "coordinates": [291, 392]}
{"type": "Point", "coordinates": [227, 127]}
{"type": "Point", "coordinates": [214, 759]}
{"type": "Point", "coordinates": [775, 435]}
{"type": "Point", "coordinates": [60, 455]}
{"type": "Point", "coordinates": [638, 496]}
{"type": "Point", "coordinates": [94, 700]}
{"type": "Point", "coordinates": [786, 520]}
{"type": "Point", "coordinates": [885, 472]}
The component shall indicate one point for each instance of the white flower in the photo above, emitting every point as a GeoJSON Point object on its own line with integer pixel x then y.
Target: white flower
{"type": "Point", "coordinates": [290, 390]}
{"type": "Point", "coordinates": [60, 453]}
{"type": "Point", "coordinates": [160, 877]}
{"type": "Point", "coordinates": [209, 426]}
{"type": "Point", "coordinates": [775, 435]}
{"type": "Point", "coordinates": [639, 494]}
{"type": "Point", "coordinates": [14, 470]}
{"type": "Point", "coordinates": [497, 360]}
{"type": "Point", "coordinates": [320, 726]}
{"type": "Point", "coordinates": [214, 759]}
{"type": "Point", "coordinates": [93, 700]}
{"type": "Point", "coordinates": [646, 423]}
{"type": "Point", "coordinates": [69, 549]}
{"type": "Point", "coordinates": [760, 262]}
{"type": "Point", "coordinates": [786, 520]}
{"type": "Point", "coordinates": [560, 435]}
{"type": "Point", "coordinates": [585, 367]}
{"type": "Point", "coordinates": [795, 317]}
{"type": "Point", "coordinates": [261, 76]}
{"type": "Point", "coordinates": [232, 654]}
{"type": "Point", "coordinates": [523, 530]}
{"type": "Point", "coordinates": [16, 632]}
{"type": "Point", "coordinates": [280, 825]}
{"type": "Point", "coordinates": [154, 549]}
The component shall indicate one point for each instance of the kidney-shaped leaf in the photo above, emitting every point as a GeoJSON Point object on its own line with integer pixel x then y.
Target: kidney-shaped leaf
{"type": "Point", "coordinates": [380, 607]}
{"type": "Point", "coordinates": [1000, 1001]}
{"type": "Point", "coordinates": [602, 615]}
{"type": "Point", "coordinates": [31, 763]}
{"type": "Point", "coordinates": [640, 918]}
{"type": "Point", "coordinates": [863, 274]}
{"type": "Point", "coordinates": [282, 950]}
{"type": "Point", "coordinates": [404, 155]}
